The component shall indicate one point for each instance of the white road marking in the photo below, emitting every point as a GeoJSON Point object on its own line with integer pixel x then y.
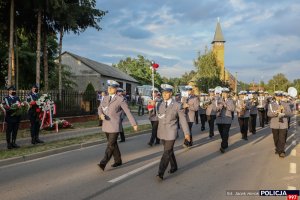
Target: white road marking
{"type": "Point", "coordinates": [157, 161]}
{"type": "Point", "coordinates": [293, 168]}
{"type": "Point", "coordinates": [290, 137]}
{"type": "Point", "coordinates": [294, 143]}
{"type": "Point", "coordinates": [294, 152]}
{"type": "Point", "coordinates": [134, 172]}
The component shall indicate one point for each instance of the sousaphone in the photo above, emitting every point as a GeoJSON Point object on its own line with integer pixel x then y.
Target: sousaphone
{"type": "Point", "coordinates": [292, 92]}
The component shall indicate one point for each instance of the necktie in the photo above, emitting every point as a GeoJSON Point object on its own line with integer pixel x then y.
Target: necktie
{"type": "Point", "coordinates": [109, 98]}
{"type": "Point", "coordinates": [166, 104]}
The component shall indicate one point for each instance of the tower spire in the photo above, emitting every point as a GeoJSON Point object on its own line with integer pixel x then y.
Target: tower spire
{"type": "Point", "coordinates": [218, 33]}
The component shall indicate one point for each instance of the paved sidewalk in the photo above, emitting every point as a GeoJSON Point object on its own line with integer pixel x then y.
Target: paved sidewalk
{"type": "Point", "coordinates": [68, 134]}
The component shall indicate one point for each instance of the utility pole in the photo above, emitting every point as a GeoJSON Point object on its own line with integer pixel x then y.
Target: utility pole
{"type": "Point", "coordinates": [236, 82]}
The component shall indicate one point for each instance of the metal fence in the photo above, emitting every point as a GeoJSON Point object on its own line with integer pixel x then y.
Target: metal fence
{"type": "Point", "coordinates": [71, 104]}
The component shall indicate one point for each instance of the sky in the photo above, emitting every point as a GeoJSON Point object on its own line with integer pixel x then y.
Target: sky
{"type": "Point", "coordinates": [262, 36]}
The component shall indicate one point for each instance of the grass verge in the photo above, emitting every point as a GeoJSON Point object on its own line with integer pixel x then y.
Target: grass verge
{"type": "Point", "coordinates": [24, 133]}
{"type": "Point", "coordinates": [32, 149]}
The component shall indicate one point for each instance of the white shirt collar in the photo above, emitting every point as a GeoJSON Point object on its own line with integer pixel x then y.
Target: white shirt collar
{"type": "Point", "coordinates": [169, 101]}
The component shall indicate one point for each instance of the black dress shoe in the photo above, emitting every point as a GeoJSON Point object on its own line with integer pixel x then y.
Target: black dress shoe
{"type": "Point", "coordinates": [150, 144]}
{"type": "Point", "coordinates": [159, 177]}
{"type": "Point", "coordinates": [121, 141]}
{"type": "Point", "coordinates": [157, 143]}
{"type": "Point", "coordinates": [39, 141]}
{"type": "Point", "coordinates": [171, 171]}
{"type": "Point", "coordinates": [33, 141]}
{"type": "Point", "coordinates": [282, 155]}
{"type": "Point", "coordinates": [202, 128]}
{"type": "Point", "coordinates": [186, 143]}
{"type": "Point", "coordinates": [222, 150]}
{"type": "Point", "coordinates": [116, 164]}
{"type": "Point", "coordinates": [9, 146]}
{"type": "Point", "coordinates": [14, 145]}
{"type": "Point", "coordinates": [101, 166]}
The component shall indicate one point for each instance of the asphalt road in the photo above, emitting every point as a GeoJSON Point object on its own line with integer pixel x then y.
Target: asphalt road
{"type": "Point", "coordinates": [204, 173]}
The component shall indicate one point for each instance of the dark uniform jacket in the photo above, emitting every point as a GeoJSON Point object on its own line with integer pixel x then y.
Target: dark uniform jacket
{"type": "Point", "coordinates": [32, 110]}
{"type": "Point", "coordinates": [8, 101]}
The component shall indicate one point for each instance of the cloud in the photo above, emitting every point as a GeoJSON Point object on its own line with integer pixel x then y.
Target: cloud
{"type": "Point", "coordinates": [261, 36]}
{"type": "Point", "coordinates": [136, 33]}
{"type": "Point", "coordinates": [177, 70]}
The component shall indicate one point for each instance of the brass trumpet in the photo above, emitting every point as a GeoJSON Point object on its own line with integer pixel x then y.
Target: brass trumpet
{"type": "Point", "coordinates": [254, 101]}
{"type": "Point", "coordinates": [280, 110]}
{"type": "Point", "coordinates": [243, 108]}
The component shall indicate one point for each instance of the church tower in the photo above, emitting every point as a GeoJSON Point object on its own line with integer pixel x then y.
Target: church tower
{"type": "Point", "coordinates": [218, 49]}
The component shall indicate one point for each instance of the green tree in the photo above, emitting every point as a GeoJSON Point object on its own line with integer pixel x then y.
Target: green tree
{"type": "Point", "coordinates": [89, 93]}
{"type": "Point", "coordinates": [243, 86]}
{"type": "Point", "coordinates": [296, 84]}
{"type": "Point", "coordinates": [74, 16]}
{"type": "Point", "coordinates": [139, 68]}
{"type": "Point", "coordinates": [208, 72]}
{"type": "Point", "coordinates": [68, 82]}
{"type": "Point", "coordinates": [278, 82]}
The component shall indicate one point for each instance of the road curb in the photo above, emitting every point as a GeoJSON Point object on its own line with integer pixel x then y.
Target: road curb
{"type": "Point", "coordinates": [34, 156]}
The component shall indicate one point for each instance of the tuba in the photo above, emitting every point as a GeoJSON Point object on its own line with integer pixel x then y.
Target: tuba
{"type": "Point", "coordinates": [204, 101]}
{"type": "Point", "coordinates": [292, 92]}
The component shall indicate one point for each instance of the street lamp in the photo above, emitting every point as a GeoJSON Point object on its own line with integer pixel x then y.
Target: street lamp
{"type": "Point", "coordinates": [236, 82]}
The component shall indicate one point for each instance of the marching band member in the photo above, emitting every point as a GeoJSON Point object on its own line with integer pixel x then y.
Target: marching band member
{"type": "Point", "coordinates": [110, 111]}
{"type": "Point", "coordinates": [120, 92]}
{"type": "Point", "coordinates": [268, 99]}
{"type": "Point", "coordinates": [253, 112]}
{"type": "Point", "coordinates": [202, 110]}
{"type": "Point", "coordinates": [191, 105]}
{"type": "Point", "coordinates": [279, 111]}
{"type": "Point", "coordinates": [234, 98]}
{"type": "Point", "coordinates": [169, 112]}
{"type": "Point", "coordinates": [211, 112]}
{"type": "Point", "coordinates": [286, 99]}
{"type": "Point", "coordinates": [224, 118]}
{"type": "Point", "coordinates": [153, 117]}
{"type": "Point", "coordinates": [243, 110]}
{"type": "Point", "coordinates": [261, 108]}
